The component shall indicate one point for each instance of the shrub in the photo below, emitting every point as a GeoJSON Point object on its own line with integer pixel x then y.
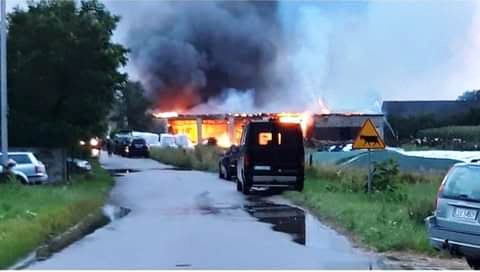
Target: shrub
{"type": "Point", "coordinates": [385, 176]}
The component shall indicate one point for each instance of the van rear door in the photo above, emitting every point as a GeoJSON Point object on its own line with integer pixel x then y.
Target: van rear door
{"type": "Point", "coordinates": [289, 149]}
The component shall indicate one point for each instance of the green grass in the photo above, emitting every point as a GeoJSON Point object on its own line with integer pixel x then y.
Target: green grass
{"type": "Point", "coordinates": [384, 221]}
{"type": "Point", "coordinates": [203, 158]}
{"type": "Point", "coordinates": [29, 215]}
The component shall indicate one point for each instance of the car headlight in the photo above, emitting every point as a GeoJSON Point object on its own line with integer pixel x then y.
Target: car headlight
{"type": "Point", "coordinates": [93, 142]}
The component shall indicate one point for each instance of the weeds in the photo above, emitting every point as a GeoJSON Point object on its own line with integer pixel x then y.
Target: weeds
{"type": "Point", "coordinates": [29, 215]}
{"type": "Point", "coordinates": [201, 158]}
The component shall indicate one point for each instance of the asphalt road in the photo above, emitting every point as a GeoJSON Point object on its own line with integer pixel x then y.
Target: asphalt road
{"type": "Point", "coordinates": [191, 219]}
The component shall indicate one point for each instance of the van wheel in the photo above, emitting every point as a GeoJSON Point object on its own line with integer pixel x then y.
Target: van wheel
{"type": "Point", "coordinates": [239, 185]}
{"type": "Point", "coordinates": [474, 263]}
{"type": "Point", "coordinates": [246, 186]}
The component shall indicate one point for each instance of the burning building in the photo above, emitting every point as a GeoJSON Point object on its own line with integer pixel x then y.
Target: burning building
{"type": "Point", "coordinates": [227, 128]}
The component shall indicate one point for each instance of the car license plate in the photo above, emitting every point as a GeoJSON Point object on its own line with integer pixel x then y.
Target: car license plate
{"type": "Point", "coordinates": [138, 146]}
{"type": "Point", "coordinates": [463, 213]}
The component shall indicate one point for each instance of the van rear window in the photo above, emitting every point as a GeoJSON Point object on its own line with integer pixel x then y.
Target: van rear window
{"type": "Point", "coordinates": [264, 138]}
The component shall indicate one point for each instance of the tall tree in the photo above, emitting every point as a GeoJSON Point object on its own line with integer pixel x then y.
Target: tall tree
{"type": "Point", "coordinates": [132, 105]}
{"type": "Point", "coordinates": [62, 70]}
{"type": "Point", "coordinates": [470, 96]}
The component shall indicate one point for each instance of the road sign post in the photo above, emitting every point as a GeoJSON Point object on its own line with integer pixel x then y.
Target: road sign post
{"type": "Point", "coordinates": [369, 182]}
{"type": "Point", "coordinates": [3, 84]}
{"type": "Point", "coordinates": [368, 138]}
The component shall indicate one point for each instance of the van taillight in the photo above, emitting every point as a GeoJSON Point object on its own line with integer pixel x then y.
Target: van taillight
{"type": "Point", "coordinates": [246, 160]}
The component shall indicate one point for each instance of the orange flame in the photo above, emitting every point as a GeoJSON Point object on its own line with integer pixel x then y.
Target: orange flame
{"type": "Point", "coordinates": [304, 119]}
{"type": "Point", "coordinates": [168, 114]}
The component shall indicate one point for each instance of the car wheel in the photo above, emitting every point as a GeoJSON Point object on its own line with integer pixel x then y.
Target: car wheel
{"type": "Point", "coordinates": [299, 186]}
{"type": "Point", "coordinates": [220, 172]}
{"type": "Point", "coordinates": [21, 180]}
{"type": "Point", "coordinates": [239, 185]}
{"type": "Point", "coordinates": [228, 176]}
{"type": "Point", "coordinates": [473, 262]}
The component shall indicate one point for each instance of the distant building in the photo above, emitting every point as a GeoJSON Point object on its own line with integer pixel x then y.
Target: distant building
{"type": "Point", "coordinates": [437, 108]}
{"type": "Point", "coordinates": [227, 128]}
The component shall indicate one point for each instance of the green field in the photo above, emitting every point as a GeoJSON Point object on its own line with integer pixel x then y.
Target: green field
{"type": "Point", "coordinates": [29, 215]}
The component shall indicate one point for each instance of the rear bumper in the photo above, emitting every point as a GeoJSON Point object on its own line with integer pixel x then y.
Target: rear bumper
{"type": "Point", "coordinates": [38, 178]}
{"type": "Point", "coordinates": [457, 243]}
{"type": "Point", "coordinates": [276, 181]}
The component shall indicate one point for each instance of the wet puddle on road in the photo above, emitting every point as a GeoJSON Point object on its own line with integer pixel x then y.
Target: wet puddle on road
{"type": "Point", "coordinates": [120, 172]}
{"type": "Point", "coordinates": [283, 218]}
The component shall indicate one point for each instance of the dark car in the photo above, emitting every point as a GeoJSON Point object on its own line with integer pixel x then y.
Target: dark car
{"type": "Point", "coordinates": [121, 145]}
{"type": "Point", "coordinates": [455, 224]}
{"type": "Point", "coordinates": [227, 166]}
{"type": "Point", "coordinates": [137, 148]}
{"type": "Point", "coordinates": [271, 155]}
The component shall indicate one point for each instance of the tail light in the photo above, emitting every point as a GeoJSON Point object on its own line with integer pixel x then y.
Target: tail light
{"type": "Point", "coordinates": [435, 202]}
{"type": "Point", "coordinates": [39, 169]}
{"type": "Point", "coordinates": [246, 160]}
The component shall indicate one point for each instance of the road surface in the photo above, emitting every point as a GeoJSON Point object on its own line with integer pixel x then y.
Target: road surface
{"type": "Point", "coordinates": [191, 219]}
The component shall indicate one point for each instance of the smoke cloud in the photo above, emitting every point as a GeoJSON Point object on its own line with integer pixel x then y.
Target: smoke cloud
{"type": "Point", "coordinates": [226, 56]}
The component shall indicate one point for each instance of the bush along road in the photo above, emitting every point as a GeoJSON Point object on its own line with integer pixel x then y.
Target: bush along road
{"type": "Point", "coordinates": [31, 215]}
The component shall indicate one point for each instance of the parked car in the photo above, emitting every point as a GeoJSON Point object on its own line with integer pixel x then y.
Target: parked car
{"type": "Point", "coordinates": [19, 176]}
{"type": "Point", "coordinates": [227, 166]}
{"type": "Point", "coordinates": [120, 145]}
{"type": "Point", "coordinates": [271, 155]}
{"type": "Point", "coordinates": [137, 147]}
{"type": "Point", "coordinates": [78, 166]}
{"type": "Point", "coordinates": [27, 168]}
{"type": "Point", "coordinates": [455, 224]}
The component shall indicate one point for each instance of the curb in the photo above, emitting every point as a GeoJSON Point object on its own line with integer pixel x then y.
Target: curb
{"type": "Point", "coordinates": [89, 224]}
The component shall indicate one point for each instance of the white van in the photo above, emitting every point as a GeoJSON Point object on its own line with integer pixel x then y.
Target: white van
{"type": "Point", "coordinates": [182, 140]}
{"type": "Point", "coordinates": [167, 140]}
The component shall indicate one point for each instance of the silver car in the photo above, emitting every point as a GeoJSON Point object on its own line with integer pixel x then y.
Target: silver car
{"type": "Point", "coordinates": [455, 225]}
{"type": "Point", "coordinates": [33, 170]}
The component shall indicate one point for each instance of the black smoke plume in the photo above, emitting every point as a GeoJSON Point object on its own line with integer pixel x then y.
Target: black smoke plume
{"type": "Point", "coordinates": [190, 51]}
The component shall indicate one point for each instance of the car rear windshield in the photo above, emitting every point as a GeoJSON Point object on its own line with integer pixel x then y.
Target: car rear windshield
{"type": "Point", "coordinates": [138, 141]}
{"type": "Point", "coordinates": [20, 159]}
{"type": "Point", "coordinates": [463, 182]}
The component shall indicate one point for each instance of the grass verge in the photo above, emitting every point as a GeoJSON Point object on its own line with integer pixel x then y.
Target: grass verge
{"type": "Point", "coordinates": [204, 158]}
{"type": "Point", "coordinates": [384, 221]}
{"type": "Point", "coordinates": [29, 215]}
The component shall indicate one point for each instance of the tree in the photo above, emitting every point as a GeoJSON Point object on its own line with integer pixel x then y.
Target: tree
{"type": "Point", "coordinates": [470, 96]}
{"type": "Point", "coordinates": [62, 71]}
{"type": "Point", "coordinates": [132, 106]}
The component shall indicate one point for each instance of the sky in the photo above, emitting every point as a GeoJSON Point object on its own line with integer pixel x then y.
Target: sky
{"type": "Point", "coordinates": [354, 54]}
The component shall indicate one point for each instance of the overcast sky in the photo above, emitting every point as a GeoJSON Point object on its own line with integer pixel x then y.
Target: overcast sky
{"type": "Point", "coordinates": [372, 49]}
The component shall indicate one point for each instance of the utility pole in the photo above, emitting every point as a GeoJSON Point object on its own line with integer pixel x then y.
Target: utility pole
{"type": "Point", "coordinates": [3, 84]}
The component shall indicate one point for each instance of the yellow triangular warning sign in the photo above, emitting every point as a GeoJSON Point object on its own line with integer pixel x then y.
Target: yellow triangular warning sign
{"type": "Point", "coordinates": [368, 137]}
